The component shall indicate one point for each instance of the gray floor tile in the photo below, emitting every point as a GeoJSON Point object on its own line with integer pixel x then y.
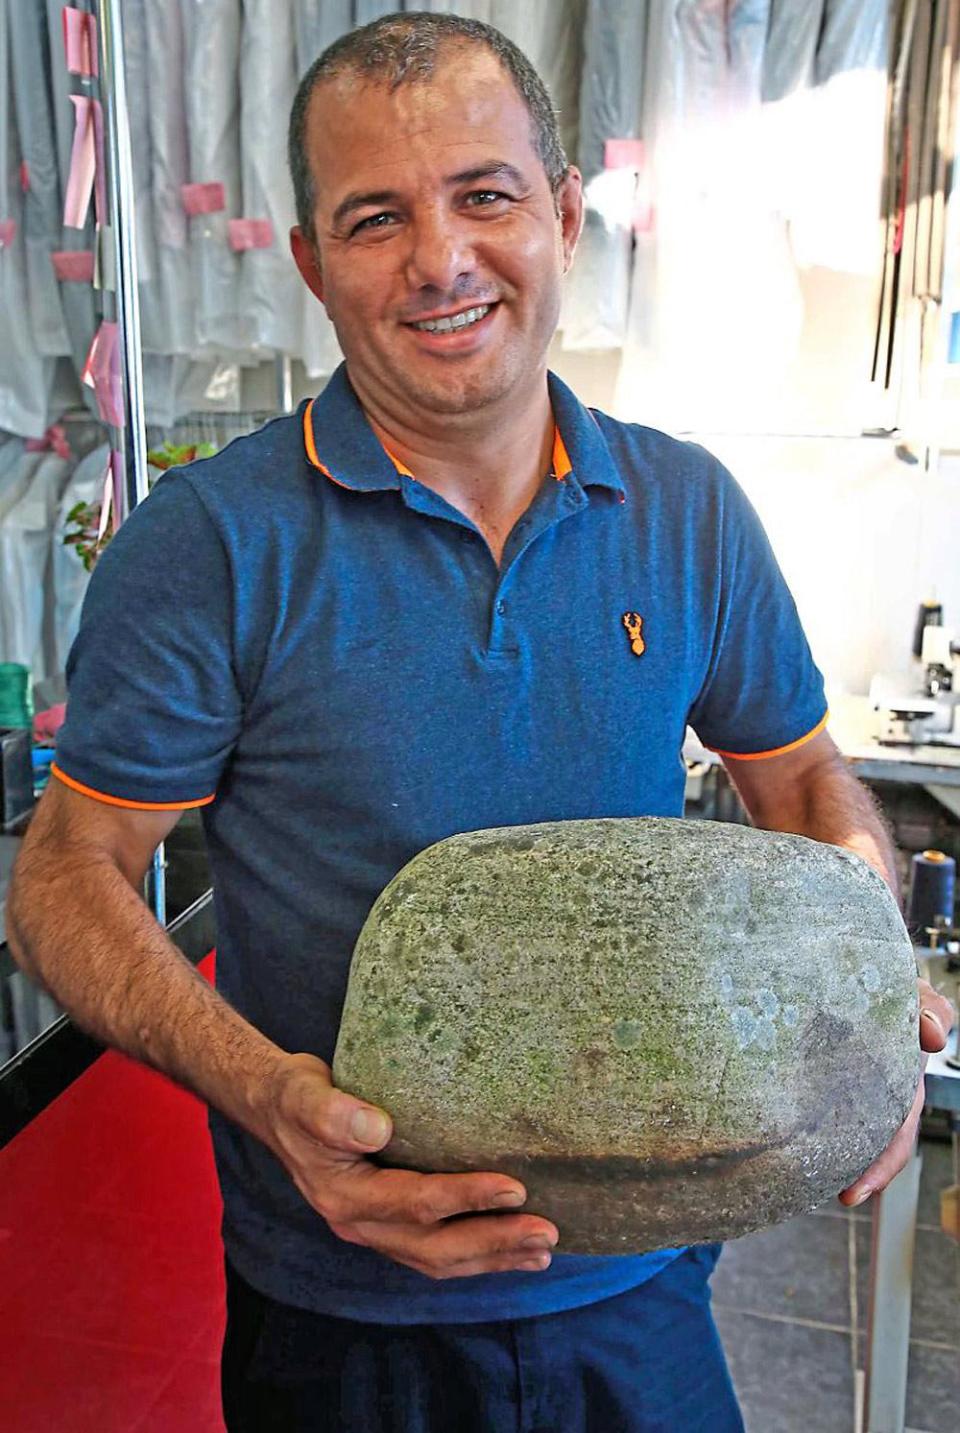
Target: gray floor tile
{"type": "Point", "coordinates": [795, 1270]}
{"type": "Point", "coordinates": [935, 1308]}
{"type": "Point", "coordinates": [789, 1378]}
{"type": "Point", "coordinates": [933, 1390]}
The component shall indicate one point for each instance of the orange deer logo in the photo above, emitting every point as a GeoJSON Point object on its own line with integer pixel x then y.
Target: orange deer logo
{"type": "Point", "coordinates": [634, 625]}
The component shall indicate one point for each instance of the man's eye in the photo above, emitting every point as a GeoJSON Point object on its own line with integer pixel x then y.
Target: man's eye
{"type": "Point", "coordinates": [374, 221]}
{"type": "Point", "coordinates": [483, 197]}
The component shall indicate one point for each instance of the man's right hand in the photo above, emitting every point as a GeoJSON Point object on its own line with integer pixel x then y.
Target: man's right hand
{"type": "Point", "coordinates": [323, 1136]}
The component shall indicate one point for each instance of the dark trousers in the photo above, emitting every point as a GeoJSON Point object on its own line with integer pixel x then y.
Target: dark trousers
{"type": "Point", "coordinates": [647, 1361]}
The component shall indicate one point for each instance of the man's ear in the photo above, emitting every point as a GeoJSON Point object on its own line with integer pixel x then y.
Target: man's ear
{"type": "Point", "coordinates": [569, 202]}
{"type": "Point", "coordinates": [307, 260]}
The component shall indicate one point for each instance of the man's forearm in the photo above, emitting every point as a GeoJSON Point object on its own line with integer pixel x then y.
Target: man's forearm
{"type": "Point", "coordinates": [818, 797]}
{"type": "Point", "coordinates": [79, 928]}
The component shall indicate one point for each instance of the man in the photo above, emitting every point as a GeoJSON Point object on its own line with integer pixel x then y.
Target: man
{"type": "Point", "coordinates": [398, 615]}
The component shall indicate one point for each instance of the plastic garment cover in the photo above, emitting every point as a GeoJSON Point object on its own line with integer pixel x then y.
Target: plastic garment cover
{"type": "Point", "coordinates": [25, 377]}
{"type": "Point", "coordinates": [42, 213]}
{"type": "Point", "coordinates": [366, 10]}
{"type": "Point", "coordinates": [273, 295]}
{"type": "Point", "coordinates": [212, 30]}
{"type": "Point", "coordinates": [830, 142]}
{"type": "Point", "coordinates": [70, 577]}
{"type": "Point", "coordinates": [17, 467]}
{"type": "Point", "coordinates": [788, 63]}
{"type": "Point", "coordinates": [597, 290]}
{"type": "Point", "coordinates": [81, 305]}
{"type": "Point", "coordinates": [318, 23]}
{"type": "Point", "coordinates": [24, 564]}
{"type": "Point", "coordinates": [716, 310]}
{"type": "Point", "coordinates": [138, 69]}
{"type": "Point", "coordinates": [548, 32]}
{"type": "Point", "coordinates": [167, 110]}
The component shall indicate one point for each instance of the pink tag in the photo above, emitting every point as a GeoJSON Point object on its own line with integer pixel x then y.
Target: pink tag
{"type": "Point", "coordinates": [250, 234]}
{"type": "Point", "coordinates": [24, 176]}
{"type": "Point", "coordinates": [101, 372]}
{"type": "Point", "coordinates": [73, 266]}
{"type": "Point", "coordinates": [8, 228]}
{"type": "Point", "coordinates": [203, 198]}
{"type": "Point", "coordinates": [54, 440]}
{"type": "Point", "coordinates": [80, 41]}
{"type": "Point", "coordinates": [47, 724]}
{"type": "Point", "coordinates": [623, 154]}
{"type": "Point", "coordinates": [83, 162]}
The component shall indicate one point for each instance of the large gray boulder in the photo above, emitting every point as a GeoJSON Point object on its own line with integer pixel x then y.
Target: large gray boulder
{"type": "Point", "coordinates": [671, 1031]}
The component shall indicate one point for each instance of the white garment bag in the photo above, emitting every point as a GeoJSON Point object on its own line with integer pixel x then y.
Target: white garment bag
{"type": "Point", "coordinates": [318, 23]}
{"type": "Point", "coordinates": [26, 378]}
{"type": "Point", "coordinates": [42, 204]}
{"type": "Point", "coordinates": [25, 530]}
{"type": "Point", "coordinates": [70, 577]}
{"type": "Point", "coordinates": [597, 290]}
{"type": "Point", "coordinates": [273, 295]}
{"type": "Point", "coordinates": [212, 31]}
{"type": "Point", "coordinates": [716, 309]}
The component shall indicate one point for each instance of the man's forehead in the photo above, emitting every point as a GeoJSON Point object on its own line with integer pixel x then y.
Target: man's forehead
{"type": "Point", "coordinates": [468, 99]}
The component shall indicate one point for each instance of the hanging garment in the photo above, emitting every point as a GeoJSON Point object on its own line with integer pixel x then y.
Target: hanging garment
{"type": "Point", "coordinates": [17, 467]}
{"type": "Point", "coordinates": [212, 31]}
{"type": "Point", "coordinates": [549, 34]}
{"type": "Point", "coordinates": [42, 211]}
{"type": "Point", "coordinates": [832, 140]}
{"type": "Point", "coordinates": [364, 11]}
{"type": "Point", "coordinates": [167, 107]}
{"type": "Point", "coordinates": [790, 54]}
{"type": "Point", "coordinates": [80, 303]}
{"type": "Point", "coordinates": [318, 24]}
{"type": "Point", "coordinates": [716, 308]}
{"type": "Point", "coordinates": [25, 376]}
{"type": "Point", "coordinates": [597, 290]}
{"type": "Point", "coordinates": [70, 577]}
{"type": "Point", "coordinates": [273, 295]}
{"type": "Point", "coordinates": [138, 68]}
{"type": "Point", "coordinates": [24, 564]}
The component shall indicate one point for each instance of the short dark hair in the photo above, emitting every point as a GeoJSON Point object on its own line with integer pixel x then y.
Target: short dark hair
{"type": "Point", "coordinates": [402, 48]}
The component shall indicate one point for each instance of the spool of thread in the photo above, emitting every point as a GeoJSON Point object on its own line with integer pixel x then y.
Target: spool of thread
{"type": "Point", "coordinates": [929, 614]}
{"type": "Point", "coordinates": [932, 881]}
{"type": "Point", "coordinates": [16, 707]}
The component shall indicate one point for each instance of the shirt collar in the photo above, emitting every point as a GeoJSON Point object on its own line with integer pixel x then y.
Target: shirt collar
{"type": "Point", "coordinates": [340, 442]}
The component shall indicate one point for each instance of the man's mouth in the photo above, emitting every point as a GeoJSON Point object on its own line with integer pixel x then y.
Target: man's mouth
{"type": "Point", "coordinates": [452, 322]}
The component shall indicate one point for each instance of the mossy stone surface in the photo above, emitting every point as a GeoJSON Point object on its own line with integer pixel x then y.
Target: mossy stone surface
{"type": "Point", "coordinates": [671, 1031]}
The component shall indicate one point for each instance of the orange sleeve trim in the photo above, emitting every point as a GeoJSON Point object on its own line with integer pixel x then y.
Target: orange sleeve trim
{"type": "Point", "coordinates": [777, 750]}
{"type": "Point", "coordinates": [122, 801]}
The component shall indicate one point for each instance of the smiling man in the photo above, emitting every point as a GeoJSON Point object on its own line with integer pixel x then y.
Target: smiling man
{"type": "Point", "coordinates": [443, 596]}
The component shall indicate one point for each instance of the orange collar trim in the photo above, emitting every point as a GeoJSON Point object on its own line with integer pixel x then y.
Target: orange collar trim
{"type": "Point", "coordinates": [561, 460]}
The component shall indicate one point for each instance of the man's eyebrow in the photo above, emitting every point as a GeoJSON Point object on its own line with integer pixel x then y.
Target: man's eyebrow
{"type": "Point", "coordinates": [381, 197]}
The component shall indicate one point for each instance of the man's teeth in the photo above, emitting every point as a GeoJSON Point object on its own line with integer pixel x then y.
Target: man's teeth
{"type": "Point", "coordinates": [457, 320]}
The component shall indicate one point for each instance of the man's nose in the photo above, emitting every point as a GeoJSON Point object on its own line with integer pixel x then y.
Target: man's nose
{"type": "Point", "coordinates": [439, 252]}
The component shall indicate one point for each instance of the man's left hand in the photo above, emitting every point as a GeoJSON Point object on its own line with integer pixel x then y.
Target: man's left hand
{"type": "Point", "coordinates": [936, 1019]}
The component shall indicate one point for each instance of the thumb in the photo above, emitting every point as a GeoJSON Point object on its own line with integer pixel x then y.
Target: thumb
{"type": "Point", "coordinates": [333, 1117]}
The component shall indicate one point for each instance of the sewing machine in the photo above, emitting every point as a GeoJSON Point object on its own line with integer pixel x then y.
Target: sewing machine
{"type": "Point", "coordinates": [928, 714]}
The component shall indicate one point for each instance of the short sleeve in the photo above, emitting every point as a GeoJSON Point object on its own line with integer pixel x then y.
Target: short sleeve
{"type": "Point", "coordinates": [153, 708]}
{"type": "Point", "coordinates": [762, 691]}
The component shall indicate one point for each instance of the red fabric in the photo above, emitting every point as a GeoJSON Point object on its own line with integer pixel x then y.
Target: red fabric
{"type": "Point", "coordinates": [111, 1281]}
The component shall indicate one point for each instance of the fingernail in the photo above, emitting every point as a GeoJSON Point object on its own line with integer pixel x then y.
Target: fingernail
{"type": "Point", "coordinates": [862, 1195]}
{"type": "Point", "coordinates": [509, 1198]}
{"type": "Point", "coordinates": [537, 1241]}
{"type": "Point", "coordinates": [935, 1020]}
{"type": "Point", "coordinates": [368, 1127]}
{"type": "Point", "coordinates": [542, 1263]}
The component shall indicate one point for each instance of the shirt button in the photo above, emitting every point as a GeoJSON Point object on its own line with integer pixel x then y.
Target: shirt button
{"type": "Point", "coordinates": [501, 607]}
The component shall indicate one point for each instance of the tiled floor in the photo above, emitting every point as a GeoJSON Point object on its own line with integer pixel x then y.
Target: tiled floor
{"type": "Point", "coordinates": [791, 1304]}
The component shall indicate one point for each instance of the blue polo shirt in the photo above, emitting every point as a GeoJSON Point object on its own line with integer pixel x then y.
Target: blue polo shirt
{"type": "Point", "coordinates": [321, 651]}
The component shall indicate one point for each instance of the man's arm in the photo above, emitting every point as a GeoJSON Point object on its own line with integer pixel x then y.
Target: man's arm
{"type": "Point", "coordinates": [78, 925]}
{"type": "Point", "coordinates": [811, 792]}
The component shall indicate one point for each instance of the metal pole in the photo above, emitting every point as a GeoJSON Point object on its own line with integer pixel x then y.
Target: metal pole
{"type": "Point", "coordinates": [283, 366]}
{"type": "Point", "coordinates": [122, 209]}
{"type": "Point", "coordinates": [122, 205]}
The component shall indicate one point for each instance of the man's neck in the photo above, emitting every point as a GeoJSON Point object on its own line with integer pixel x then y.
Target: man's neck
{"type": "Point", "coordinates": [487, 465]}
